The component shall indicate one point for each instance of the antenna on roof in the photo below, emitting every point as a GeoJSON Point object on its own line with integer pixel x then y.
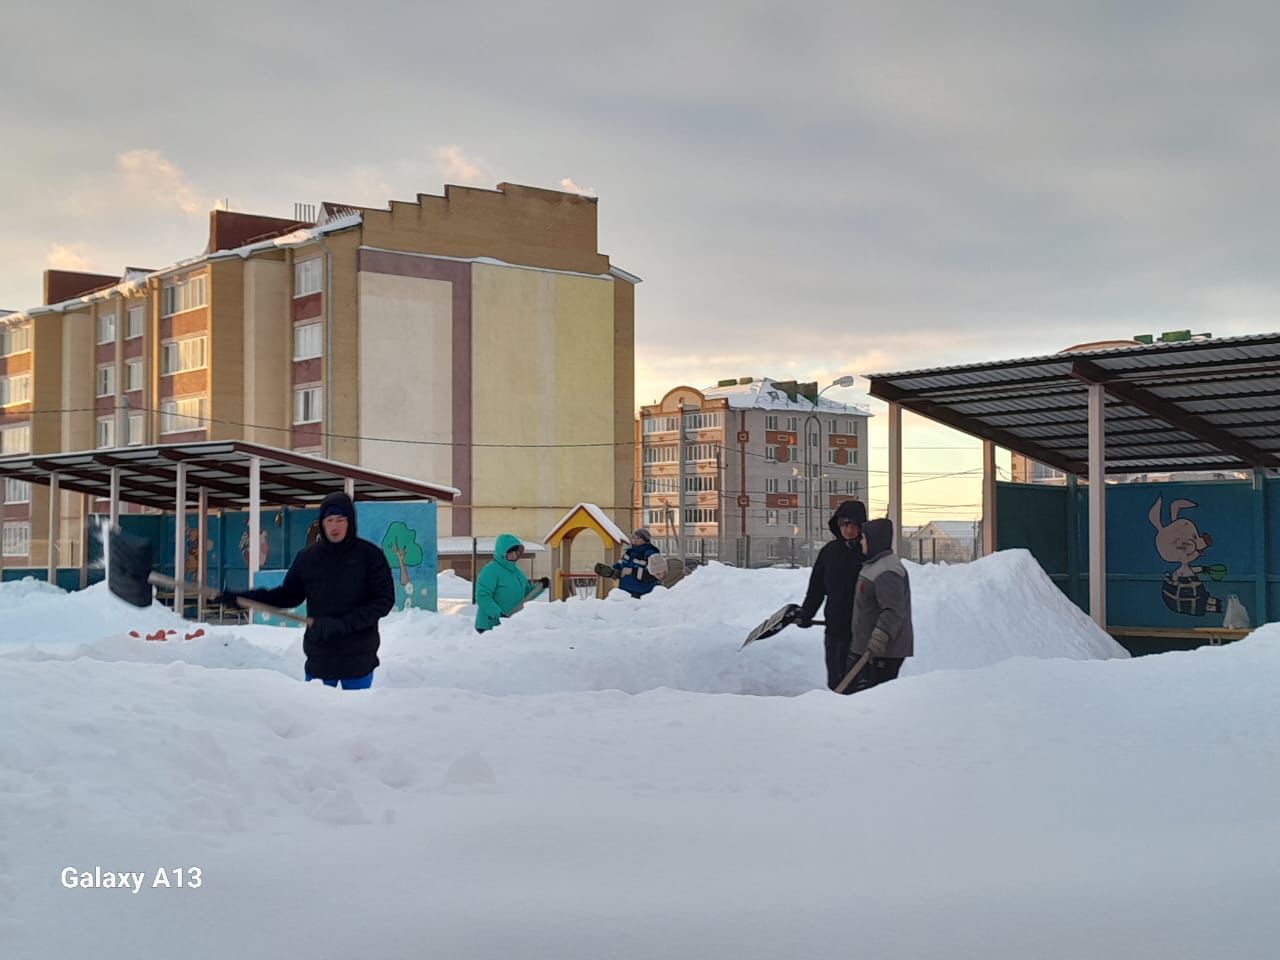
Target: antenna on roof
{"type": "Point", "coordinates": [305, 212]}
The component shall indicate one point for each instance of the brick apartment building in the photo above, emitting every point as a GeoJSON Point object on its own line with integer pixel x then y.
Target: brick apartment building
{"type": "Point", "coordinates": [748, 458]}
{"type": "Point", "coordinates": [476, 339]}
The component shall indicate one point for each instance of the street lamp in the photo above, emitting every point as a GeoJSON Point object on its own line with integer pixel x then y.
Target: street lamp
{"type": "Point", "coordinates": [846, 381]}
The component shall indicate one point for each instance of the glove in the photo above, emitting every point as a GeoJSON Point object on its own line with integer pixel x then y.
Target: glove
{"type": "Point", "coordinates": [326, 629]}
{"type": "Point", "coordinates": [544, 582]}
{"type": "Point", "coordinates": [878, 643]}
{"type": "Point", "coordinates": [228, 599]}
{"type": "Point", "coordinates": [804, 622]}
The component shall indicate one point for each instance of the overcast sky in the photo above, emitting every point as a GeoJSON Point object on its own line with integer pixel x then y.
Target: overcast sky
{"type": "Point", "coordinates": [843, 187]}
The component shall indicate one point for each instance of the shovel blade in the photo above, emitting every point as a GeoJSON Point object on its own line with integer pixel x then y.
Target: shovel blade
{"type": "Point", "coordinates": [129, 567]}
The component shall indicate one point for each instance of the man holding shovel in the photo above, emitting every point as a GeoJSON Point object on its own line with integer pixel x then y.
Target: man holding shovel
{"type": "Point", "coordinates": [346, 583]}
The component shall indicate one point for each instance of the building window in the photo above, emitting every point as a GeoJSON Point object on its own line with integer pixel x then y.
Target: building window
{"type": "Point", "coordinates": [178, 356]}
{"type": "Point", "coordinates": [813, 470]}
{"type": "Point", "coordinates": [700, 514]}
{"type": "Point", "coordinates": [17, 539]}
{"type": "Point", "coordinates": [833, 455]}
{"type": "Point", "coordinates": [107, 328]}
{"type": "Point", "coordinates": [14, 339]}
{"type": "Point", "coordinates": [16, 491]}
{"type": "Point", "coordinates": [771, 421]}
{"type": "Point", "coordinates": [659, 454]}
{"type": "Point", "coordinates": [181, 416]}
{"type": "Point", "coordinates": [702, 421]}
{"type": "Point", "coordinates": [306, 341]}
{"type": "Point", "coordinates": [136, 316]}
{"type": "Point", "coordinates": [793, 517]}
{"type": "Point", "coordinates": [852, 455]}
{"type": "Point", "coordinates": [849, 428]}
{"type": "Point", "coordinates": [813, 439]}
{"type": "Point", "coordinates": [653, 517]}
{"type": "Point", "coordinates": [701, 482]}
{"type": "Point", "coordinates": [770, 454]}
{"type": "Point", "coordinates": [132, 375]}
{"type": "Point", "coordinates": [306, 277]}
{"type": "Point", "coordinates": [658, 424]}
{"type": "Point", "coordinates": [700, 451]}
{"type": "Point", "coordinates": [106, 381]}
{"type": "Point", "coordinates": [771, 550]}
{"type": "Point", "coordinates": [662, 484]}
{"type": "Point", "coordinates": [16, 389]}
{"type": "Point", "coordinates": [185, 295]}
{"type": "Point", "coordinates": [792, 423]}
{"type": "Point", "coordinates": [306, 405]}
{"type": "Point", "coordinates": [831, 426]}
{"type": "Point", "coordinates": [135, 429]}
{"type": "Point", "coordinates": [771, 518]}
{"type": "Point", "coordinates": [15, 439]}
{"type": "Point", "coordinates": [771, 485]}
{"type": "Point", "coordinates": [793, 485]}
{"type": "Point", "coordinates": [106, 432]}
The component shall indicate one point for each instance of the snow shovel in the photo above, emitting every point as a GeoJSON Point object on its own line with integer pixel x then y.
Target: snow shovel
{"type": "Point", "coordinates": [775, 623]}
{"type": "Point", "coordinates": [130, 577]}
{"type": "Point", "coordinates": [856, 669]}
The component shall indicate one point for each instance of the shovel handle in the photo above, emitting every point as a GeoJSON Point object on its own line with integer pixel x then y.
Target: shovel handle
{"type": "Point", "coordinates": [857, 669]}
{"type": "Point", "coordinates": [160, 580]}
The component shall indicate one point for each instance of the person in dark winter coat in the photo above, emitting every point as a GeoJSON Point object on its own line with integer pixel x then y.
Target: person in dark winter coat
{"type": "Point", "coordinates": [502, 588]}
{"type": "Point", "coordinates": [346, 583]}
{"type": "Point", "coordinates": [633, 568]}
{"type": "Point", "coordinates": [881, 611]}
{"type": "Point", "coordinates": [834, 577]}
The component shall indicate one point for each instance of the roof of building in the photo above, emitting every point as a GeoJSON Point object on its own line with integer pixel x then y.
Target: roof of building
{"type": "Point", "coordinates": [148, 475]}
{"type": "Point", "coordinates": [1211, 404]}
{"type": "Point", "coordinates": [762, 393]}
{"type": "Point", "coordinates": [481, 546]}
{"type": "Point", "coordinates": [952, 529]}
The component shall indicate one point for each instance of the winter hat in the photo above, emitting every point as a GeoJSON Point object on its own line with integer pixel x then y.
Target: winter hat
{"type": "Point", "coordinates": [338, 504]}
{"type": "Point", "coordinates": [644, 535]}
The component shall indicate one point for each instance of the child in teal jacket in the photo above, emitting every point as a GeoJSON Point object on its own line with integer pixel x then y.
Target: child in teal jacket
{"type": "Point", "coordinates": [502, 588]}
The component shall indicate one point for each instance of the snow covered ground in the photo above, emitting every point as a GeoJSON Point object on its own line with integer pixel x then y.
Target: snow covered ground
{"type": "Point", "coordinates": [615, 779]}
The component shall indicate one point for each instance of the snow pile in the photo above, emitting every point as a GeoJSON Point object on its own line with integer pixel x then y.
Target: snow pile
{"type": "Point", "coordinates": [686, 638]}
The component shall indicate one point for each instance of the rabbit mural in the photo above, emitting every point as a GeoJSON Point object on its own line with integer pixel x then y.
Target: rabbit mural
{"type": "Point", "coordinates": [1180, 541]}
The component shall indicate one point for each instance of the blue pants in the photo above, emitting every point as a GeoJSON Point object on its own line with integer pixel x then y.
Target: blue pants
{"type": "Point", "coordinates": [349, 683]}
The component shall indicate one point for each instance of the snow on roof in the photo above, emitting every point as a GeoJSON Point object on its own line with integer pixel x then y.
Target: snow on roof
{"type": "Point", "coordinates": [953, 529]}
{"type": "Point", "coordinates": [484, 546]}
{"type": "Point", "coordinates": [598, 515]}
{"type": "Point", "coordinates": [762, 394]}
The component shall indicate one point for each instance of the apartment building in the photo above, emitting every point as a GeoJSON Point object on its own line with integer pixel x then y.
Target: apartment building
{"type": "Point", "coordinates": [747, 471]}
{"type": "Point", "coordinates": [477, 339]}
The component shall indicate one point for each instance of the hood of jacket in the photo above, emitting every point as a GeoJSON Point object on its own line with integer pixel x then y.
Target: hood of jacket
{"type": "Point", "coordinates": [504, 543]}
{"type": "Point", "coordinates": [879, 534]}
{"type": "Point", "coordinates": [348, 510]}
{"type": "Point", "coordinates": [855, 510]}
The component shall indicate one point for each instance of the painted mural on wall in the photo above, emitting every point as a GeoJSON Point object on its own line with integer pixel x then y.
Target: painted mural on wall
{"type": "Point", "coordinates": [1181, 542]}
{"type": "Point", "coordinates": [406, 532]}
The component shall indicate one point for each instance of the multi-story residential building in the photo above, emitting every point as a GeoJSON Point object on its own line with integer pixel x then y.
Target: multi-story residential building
{"type": "Point", "coordinates": [747, 471]}
{"type": "Point", "coordinates": [476, 339]}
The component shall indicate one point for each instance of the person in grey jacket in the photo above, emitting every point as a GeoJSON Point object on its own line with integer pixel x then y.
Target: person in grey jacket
{"type": "Point", "coordinates": [881, 610]}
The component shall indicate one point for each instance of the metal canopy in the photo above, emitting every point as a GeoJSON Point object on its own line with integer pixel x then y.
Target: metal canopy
{"type": "Point", "coordinates": [1193, 405]}
{"type": "Point", "coordinates": [149, 475]}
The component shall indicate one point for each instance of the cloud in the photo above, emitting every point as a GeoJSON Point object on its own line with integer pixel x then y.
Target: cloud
{"type": "Point", "coordinates": [457, 167]}
{"type": "Point", "coordinates": [149, 174]}
{"type": "Point", "coordinates": [569, 186]}
{"type": "Point", "coordinates": [72, 256]}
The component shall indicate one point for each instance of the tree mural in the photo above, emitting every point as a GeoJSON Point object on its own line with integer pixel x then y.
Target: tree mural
{"type": "Point", "coordinates": [402, 543]}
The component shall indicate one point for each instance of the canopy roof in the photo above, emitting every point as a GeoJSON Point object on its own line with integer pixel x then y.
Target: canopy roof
{"type": "Point", "coordinates": [148, 475]}
{"type": "Point", "coordinates": [1192, 405]}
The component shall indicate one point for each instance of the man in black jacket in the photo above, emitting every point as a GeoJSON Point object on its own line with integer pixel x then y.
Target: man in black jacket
{"type": "Point", "coordinates": [835, 578]}
{"type": "Point", "coordinates": [346, 583]}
